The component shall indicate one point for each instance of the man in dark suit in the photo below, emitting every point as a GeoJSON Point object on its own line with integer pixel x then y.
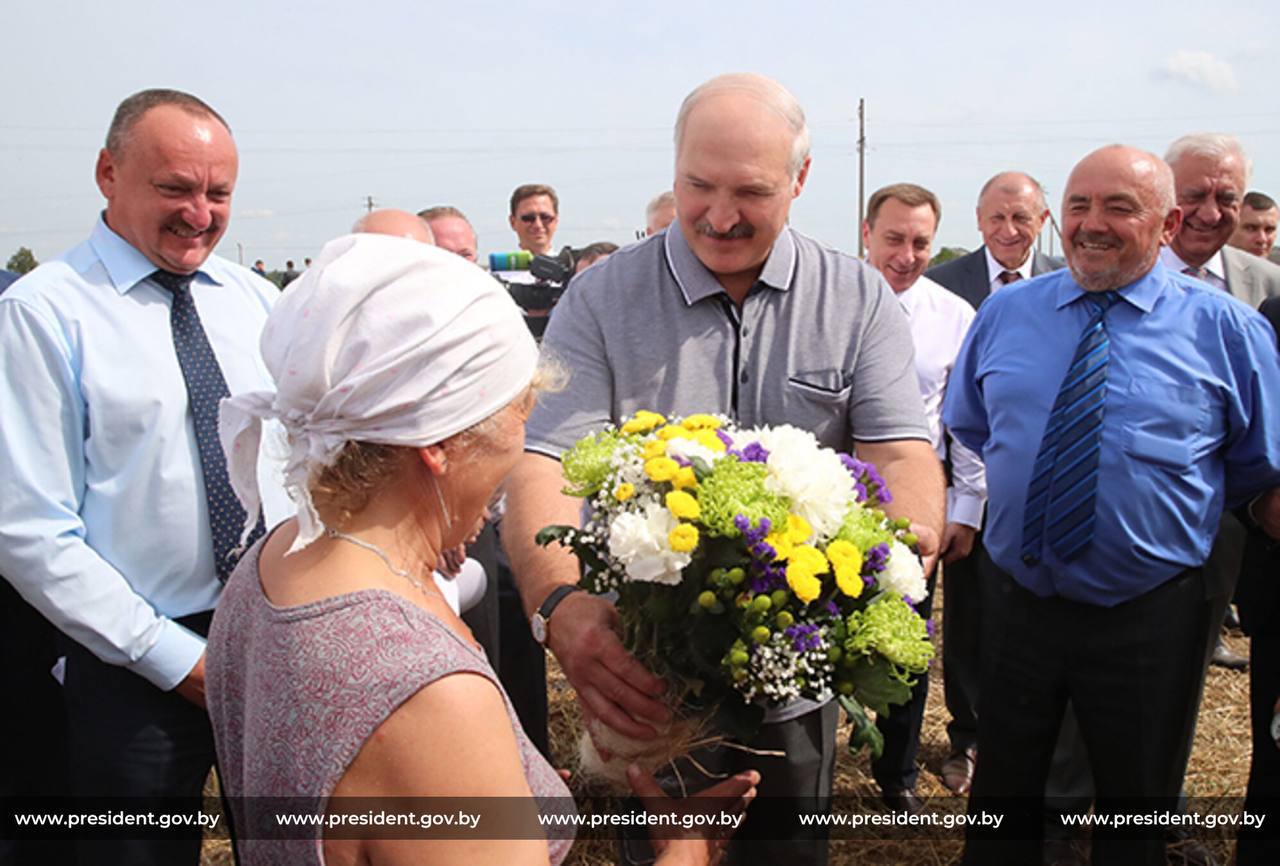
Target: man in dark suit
{"type": "Point", "coordinates": [1011, 213]}
{"type": "Point", "coordinates": [1258, 597]}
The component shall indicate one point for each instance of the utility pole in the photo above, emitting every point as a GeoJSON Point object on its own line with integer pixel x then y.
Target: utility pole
{"type": "Point", "coordinates": [862, 168]}
{"type": "Point", "coordinates": [368, 202]}
{"type": "Point", "coordinates": [240, 251]}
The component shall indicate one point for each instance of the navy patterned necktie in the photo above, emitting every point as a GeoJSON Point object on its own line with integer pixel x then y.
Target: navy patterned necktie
{"type": "Point", "coordinates": [205, 389]}
{"type": "Point", "coordinates": [1064, 481]}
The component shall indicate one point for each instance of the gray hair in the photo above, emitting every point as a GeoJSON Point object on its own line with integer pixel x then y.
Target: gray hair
{"type": "Point", "coordinates": [129, 112]}
{"type": "Point", "coordinates": [661, 200]}
{"type": "Point", "coordinates": [441, 211]}
{"type": "Point", "coordinates": [770, 93]}
{"type": "Point", "coordinates": [1011, 182]}
{"type": "Point", "coordinates": [1214, 145]}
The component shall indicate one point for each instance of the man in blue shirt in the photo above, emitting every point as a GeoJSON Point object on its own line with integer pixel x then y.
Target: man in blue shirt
{"type": "Point", "coordinates": [1118, 408]}
{"type": "Point", "coordinates": [117, 521]}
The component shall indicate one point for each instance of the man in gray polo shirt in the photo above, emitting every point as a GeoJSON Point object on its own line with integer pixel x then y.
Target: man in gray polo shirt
{"type": "Point", "coordinates": [728, 311]}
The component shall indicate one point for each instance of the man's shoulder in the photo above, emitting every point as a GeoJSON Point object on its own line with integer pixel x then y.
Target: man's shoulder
{"type": "Point", "coordinates": [60, 280]}
{"type": "Point", "coordinates": [228, 272]}
{"type": "Point", "coordinates": [1266, 271]}
{"type": "Point", "coordinates": [951, 274]}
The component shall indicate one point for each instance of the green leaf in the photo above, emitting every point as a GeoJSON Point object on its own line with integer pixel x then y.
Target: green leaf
{"type": "Point", "coordinates": [876, 687]}
{"type": "Point", "coordinates": [865, 734]}
{"type": "Point", "coordinates": [548, 534]}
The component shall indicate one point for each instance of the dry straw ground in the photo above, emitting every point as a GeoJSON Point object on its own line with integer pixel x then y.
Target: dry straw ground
{"type": "Point", "coordinates": [1219, 768]}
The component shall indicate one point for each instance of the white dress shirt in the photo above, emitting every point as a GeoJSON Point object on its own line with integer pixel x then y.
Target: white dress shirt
{"type": "Point", "coordinates": [104, 524]}
{"type": "Point", "coordinates": [939, 321]}
{"type": "Point", "coordinates": [995, 269]}
{"type": "Point", "coordinates": [1215, 274]}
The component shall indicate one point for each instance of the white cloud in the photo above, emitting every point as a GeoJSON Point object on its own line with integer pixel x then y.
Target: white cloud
{"type": "Point", "coordinates": [1199, 69]}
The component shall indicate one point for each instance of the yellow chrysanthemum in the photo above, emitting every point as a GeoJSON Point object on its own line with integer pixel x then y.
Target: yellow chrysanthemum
{"type": "Point", "coordinates": [806, 563]}
{"type": "Point", "coordinates": [780, 543]}
{"type": "Point", "coordinates": [806, 586]}
{"type": "Point", "coordinates": [661, 468]}
{"type": "Point", "coordinates": [683, 538]}
{"type": "Point", "coordinates": [685, 479]}
{"type": "Point", "coordinates": [624, 491]}
{"type": "Point", "coordinates": [654, 448]}
{"type": "Point", "coordinates": [709, 439]}
{"type": "Point", "coordinates": [642, 422]}
{"type": "Point", "coordinates": [674, 431]}
{"type": "Point", "coordinates": [798, 529]}
{"type": "Point", "coordinates": [683, 506]}
{"type": "Point", "coordinates": [701, 422]}
{"type": "Point", "coordinates": [846, 561]}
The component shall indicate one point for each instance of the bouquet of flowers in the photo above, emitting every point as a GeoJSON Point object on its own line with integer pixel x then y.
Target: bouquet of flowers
{"type": "Point", "coordinates": [752, 567]}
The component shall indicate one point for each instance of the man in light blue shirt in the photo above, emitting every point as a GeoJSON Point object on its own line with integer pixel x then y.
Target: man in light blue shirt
{"type": "Point", "coordinates": [105, 525]}
{"type": "Point", "coordinates": [1118, 408]}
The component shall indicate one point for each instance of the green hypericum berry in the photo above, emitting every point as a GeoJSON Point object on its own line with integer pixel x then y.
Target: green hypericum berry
{"type": "Point", "coordinates": [844, 687]}
{"type": "Point", "coordinates": [761, 603]}
{"type": "Point", "coordinates": [834, 653]}
{"type": "Point", "coordinates": [707, 599]}
{"type": "Point", "coordinates": [784, 619]}
{"type": "Point", "coordinates": [736, 576]}
{"type": "Point", "coordinates": [739, 674]}
{"type": "Point", "coordinates": [779, 597]}
{"type": "Point", "coordinates": [910, 539]}
{"type": "Point", "coordinates": [901, 523]}
{"type": "Point", "coordinates": [760, 634]}
{"type": "Point", "coordinates": [738, 658]}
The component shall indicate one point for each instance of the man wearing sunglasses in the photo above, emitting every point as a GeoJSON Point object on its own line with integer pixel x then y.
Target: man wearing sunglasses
{"type": "Point", "coordinates": [535, 212]}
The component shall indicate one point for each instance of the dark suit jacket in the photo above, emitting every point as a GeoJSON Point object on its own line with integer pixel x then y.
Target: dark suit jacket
{"type": "Point", "coordinates": [1258, 594]}
{"type": "Point", "coordinates": [967, 275]}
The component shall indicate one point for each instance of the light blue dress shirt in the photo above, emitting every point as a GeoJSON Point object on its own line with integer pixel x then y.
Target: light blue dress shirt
{"type": "Point", "coordinates": [1192, 423]}
{"type": "Point", "coordinates": [103, 521]}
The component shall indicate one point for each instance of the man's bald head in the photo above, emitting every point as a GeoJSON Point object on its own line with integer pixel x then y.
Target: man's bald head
{"type": "Point", "coordinates": [397, 223]}
{"type": "Point", "coordinates": [1118, 209]}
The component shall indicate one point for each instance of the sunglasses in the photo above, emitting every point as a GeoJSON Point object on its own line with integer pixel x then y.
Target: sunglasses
{"type": "Point", "coordinates": [546, 218]}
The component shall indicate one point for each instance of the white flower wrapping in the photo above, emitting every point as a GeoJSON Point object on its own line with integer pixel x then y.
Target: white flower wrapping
{"type": "Point", "coordinates": [903, 574]}
{"type": "Point", "coordinates": [639, 541]}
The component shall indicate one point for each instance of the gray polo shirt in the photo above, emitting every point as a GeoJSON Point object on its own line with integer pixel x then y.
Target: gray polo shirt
{"type": "Point", "coordinates": [820, 343]}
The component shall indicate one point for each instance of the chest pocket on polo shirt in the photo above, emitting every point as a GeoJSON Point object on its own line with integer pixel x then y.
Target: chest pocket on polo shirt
{"type": "Point", "coordinates": [822, 386]}
{"type": "Point", "coordinates": [1162, 422]}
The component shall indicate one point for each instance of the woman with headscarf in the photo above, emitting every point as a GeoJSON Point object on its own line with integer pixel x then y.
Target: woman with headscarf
{"type": "Point", "coordinates": [335, 668]}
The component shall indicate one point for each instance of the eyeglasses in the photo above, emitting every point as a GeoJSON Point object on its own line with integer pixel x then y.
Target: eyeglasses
{"type": "Point", "coordinates": [546, 218]}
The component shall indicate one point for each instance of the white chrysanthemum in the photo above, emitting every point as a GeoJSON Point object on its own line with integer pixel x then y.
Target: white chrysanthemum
{"type": "Point", "coordinates": [904, 574]}
{"type": "Point", "coordinates": [638, 539]}
{"type": "Point", "coordinates": [687, 449]}
{"type": "Point", "coordinates": [811, 476]}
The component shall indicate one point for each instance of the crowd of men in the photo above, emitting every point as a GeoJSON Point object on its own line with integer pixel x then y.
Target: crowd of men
{"type": "Point", "coordinates": [1089, 448]}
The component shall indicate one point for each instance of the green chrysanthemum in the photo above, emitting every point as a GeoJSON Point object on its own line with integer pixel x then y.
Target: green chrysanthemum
{"type": "Point", "coordinates": [863, 529]}
{"type": "Point", "coordinates": [586, 465]}
{"type": "Point", "coordinates": [732, 488]}
{"type": "Point", "coordinates": [892, 629]}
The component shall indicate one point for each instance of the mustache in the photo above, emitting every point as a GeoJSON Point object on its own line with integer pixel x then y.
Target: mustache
{"type": "Point", "coordinates": [1093, 238]}
{"type": "Point", "coordinates": [739, 231]}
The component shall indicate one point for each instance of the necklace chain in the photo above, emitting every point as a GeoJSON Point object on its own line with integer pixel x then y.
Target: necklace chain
{"type": "Point", "coordinates": [381, 554]}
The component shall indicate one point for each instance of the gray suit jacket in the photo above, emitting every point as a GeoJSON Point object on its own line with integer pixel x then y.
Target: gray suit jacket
{"type": "Point", "coordinates": [967, 275]}
{"type": "Point", "coordinates": [1250, 278]}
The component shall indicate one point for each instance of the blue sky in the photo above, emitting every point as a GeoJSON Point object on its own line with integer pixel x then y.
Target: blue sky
{"type": "Point", "coordinates": [422, 103]}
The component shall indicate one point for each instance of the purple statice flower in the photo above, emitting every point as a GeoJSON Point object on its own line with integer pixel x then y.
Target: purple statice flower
{"type": "Point", "coordinates": [928, 626]}
{"type": "Point", "coordinates": [680, 460]}
{"type": "Point", "coordinates": [876, 558]}
{"type": "Point", "coordinates": [804, 636]}
{"type": "Point", "coordinates": [766, 574]}
{"type": "Point", "coordinates": [724, 437]}
{"type": "Point", "coordinates": [867, 481]}
{"type": "Point", "coordinates": [755, 453]}
{"type": "Point", "coordinates": [833, 609]}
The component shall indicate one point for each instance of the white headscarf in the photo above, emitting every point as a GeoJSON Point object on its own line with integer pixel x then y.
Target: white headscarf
{"type": "Point", "coordinates": [382, 340]}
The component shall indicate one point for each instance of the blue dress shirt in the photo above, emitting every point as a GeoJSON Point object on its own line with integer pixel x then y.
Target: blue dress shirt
{"type": "Point", "coordinates": [1192, 423]}
{"type": "Point", "coordinates": [104, 523]}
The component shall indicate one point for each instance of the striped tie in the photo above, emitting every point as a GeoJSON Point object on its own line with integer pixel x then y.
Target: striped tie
{"type": "Point", "coordinates": [1064, 481]}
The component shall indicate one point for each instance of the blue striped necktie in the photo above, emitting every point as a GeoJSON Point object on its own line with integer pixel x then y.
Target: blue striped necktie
{"type": "Point", "coordinates": [205, 389]}
{"type": "Point", "coordinates": [1064, 481]}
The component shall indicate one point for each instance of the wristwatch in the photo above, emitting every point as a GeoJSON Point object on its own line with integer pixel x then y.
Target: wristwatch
{"type": "Point", "coordinates": [538, 622]}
